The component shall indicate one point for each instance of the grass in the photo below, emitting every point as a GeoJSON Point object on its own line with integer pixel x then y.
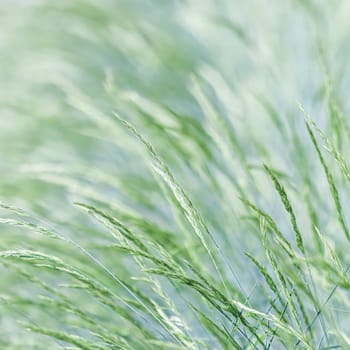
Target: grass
{"type": "Point", "coordinates": [174, 175]}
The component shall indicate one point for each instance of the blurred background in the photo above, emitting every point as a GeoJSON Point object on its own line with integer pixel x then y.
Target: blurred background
{"type": "Point", "coordinates": [213, 85]}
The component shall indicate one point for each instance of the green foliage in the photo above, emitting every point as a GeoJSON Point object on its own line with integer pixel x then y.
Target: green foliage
{"type": "Point", "coordinates": [160, 186]}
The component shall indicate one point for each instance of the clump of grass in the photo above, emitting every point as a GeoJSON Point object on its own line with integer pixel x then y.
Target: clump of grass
{"type": "Point", "coordinates": [160, 187]}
